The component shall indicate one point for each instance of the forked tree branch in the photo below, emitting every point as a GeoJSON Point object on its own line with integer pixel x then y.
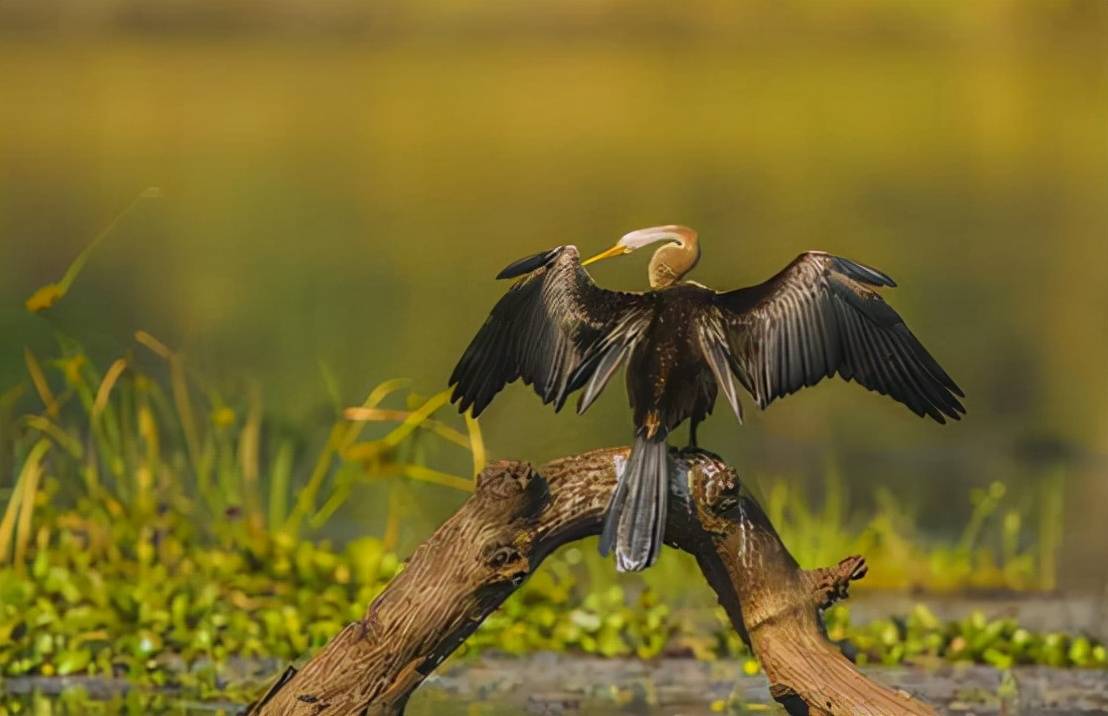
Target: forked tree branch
{"type": "Point", "coordinates": [519, 515]}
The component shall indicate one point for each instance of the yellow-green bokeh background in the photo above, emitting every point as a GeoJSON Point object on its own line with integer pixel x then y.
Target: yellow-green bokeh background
{"type": "Point", "coordinates": [341, 181]}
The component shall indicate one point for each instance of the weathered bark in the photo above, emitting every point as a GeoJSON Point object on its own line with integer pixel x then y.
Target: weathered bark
{"type": "Point", "coordinates": [519, 515]}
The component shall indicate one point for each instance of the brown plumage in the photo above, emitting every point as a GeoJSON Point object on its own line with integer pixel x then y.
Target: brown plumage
{"type": "Point", "coordinates": [683, 344]}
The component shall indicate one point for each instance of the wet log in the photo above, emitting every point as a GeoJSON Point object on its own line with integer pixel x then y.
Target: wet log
{"type": "Point", "coordinates": [516, 517]}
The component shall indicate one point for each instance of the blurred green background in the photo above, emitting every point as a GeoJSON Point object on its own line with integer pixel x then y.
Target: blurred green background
{"type": "Point", "coordinates": [341, 181]}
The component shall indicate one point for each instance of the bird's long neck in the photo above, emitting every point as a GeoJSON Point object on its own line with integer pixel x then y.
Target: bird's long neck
{"type": "Point", "coordinates": [671, 262]}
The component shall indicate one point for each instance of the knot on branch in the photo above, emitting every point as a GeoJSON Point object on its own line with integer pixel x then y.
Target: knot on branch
{"type": "Point", "coordinates": [505, 478]}
{"type": "Point", "coordinates": [512, 480]}
{"type": "Point", "coordinates": [722, 490]}
{"type": "Point", "coordinates": [830, 584]}
{"type": "Point", "coordinates": [710, 485]}
{"type": "Point", "coordinates": [507, 562]}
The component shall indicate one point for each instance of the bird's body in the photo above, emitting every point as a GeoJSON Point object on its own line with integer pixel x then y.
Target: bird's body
{"type": "Point", "coordinates": [668, 380]}
{"type": "Point", "coordinates": [684, 344]}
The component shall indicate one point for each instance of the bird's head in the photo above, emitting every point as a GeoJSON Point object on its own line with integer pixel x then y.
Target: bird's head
{"type": "Point", "coordinates": [681, 235]}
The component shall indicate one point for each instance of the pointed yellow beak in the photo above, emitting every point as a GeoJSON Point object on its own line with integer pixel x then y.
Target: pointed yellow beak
{"type": "Point", "coordinates": [616, 250]}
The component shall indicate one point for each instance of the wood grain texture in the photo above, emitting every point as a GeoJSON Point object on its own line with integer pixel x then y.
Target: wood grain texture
{"type": "Point", "coordinates": [517, 516]}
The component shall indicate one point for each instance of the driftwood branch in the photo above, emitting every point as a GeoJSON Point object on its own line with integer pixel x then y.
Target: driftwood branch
{"type": "Point", "coordinates": [519, 515]}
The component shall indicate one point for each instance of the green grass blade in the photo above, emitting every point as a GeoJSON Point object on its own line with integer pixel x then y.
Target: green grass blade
{"type": "Point", "coordinates": [21, 503]}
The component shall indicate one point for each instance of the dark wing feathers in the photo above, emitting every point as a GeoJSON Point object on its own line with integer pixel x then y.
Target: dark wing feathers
{"type": "Point", "coordinates": [559, 332]}
{"type": "Point", "coordinates": [713, 346]}
{"type": "Point", "coordinates": [528, 264]}
{"type": "Point", "coordinates": [605, 357]}
{"type": "Point", "coordinates": [856, 271]}
{"type": "Point", "coordinates": [553, 329]}
{"type": "Point", "coordinates": [821, 316]}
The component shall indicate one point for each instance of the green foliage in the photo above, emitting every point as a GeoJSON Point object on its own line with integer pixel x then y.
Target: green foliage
{"type": "Point", "coordinates": [153, 604]}
{"type": "Point", "coordinates": [159, 606]}
{"type": "Point", "coordinates": [137, 540]}
{"type": "Point", "coordinates": [922, 638]}
{"type": "Point", "coordinates": [1000, 547]}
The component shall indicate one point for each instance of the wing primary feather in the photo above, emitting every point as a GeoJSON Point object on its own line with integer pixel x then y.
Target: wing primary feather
{"type": "Point", "coordinates": [884, 383]}
{"type": "Point", "coordinates": [861, 272]}
{"type": "Point", "coordinates": [712, 348]}
{"type": "Point", "coordinates": [832, 341]}
{"type": "Point", "coordinates": [814, 364]}
{"type": "Point", "coordinates": [528, 264]}
{"type": "Point", "coordinates": [769, 359]}
{"type": "Point", "coordinates": [469, 367]}
{"type": "Point", "coordinates": [859, 363]}
{"type": "Point", "coordinates": [797, 373]}
{"type": "Point", "coordinates": [928, 385]}
{"type": "Point", "coordinates": [490, 379]}
{"type": "Point", "coordinates": [781, 350]}
{"type": "Point", "coordinates": [927, 360]}
{"type": "Point", "coordinates": [606, 367]}
{"type": "Point", "coordinates": [913, 395]}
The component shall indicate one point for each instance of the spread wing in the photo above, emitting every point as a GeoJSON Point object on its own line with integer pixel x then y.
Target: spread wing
{"type": "Point", "coordinates": [555, 329]}
{"type": "Point", "coordinates": [821, 316]}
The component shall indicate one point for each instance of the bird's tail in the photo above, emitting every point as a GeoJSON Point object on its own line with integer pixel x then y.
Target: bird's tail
{"type": "Point", "coordinates": [636, 518]}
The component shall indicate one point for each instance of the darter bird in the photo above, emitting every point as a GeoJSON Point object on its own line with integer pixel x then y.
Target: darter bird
{"type": "Point", "coordinates": [682, 344]}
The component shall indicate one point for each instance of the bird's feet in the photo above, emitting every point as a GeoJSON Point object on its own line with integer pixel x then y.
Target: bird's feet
{"type": "Point", "coordinates": [692, 438]}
